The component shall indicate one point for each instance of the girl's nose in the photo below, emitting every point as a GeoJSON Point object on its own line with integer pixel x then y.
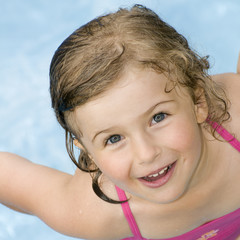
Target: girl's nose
{"type": "Point", "coordinates": [145, 149]}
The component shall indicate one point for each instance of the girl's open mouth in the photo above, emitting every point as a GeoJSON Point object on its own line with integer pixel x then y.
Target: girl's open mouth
{"type": "Point", "coordinates": [159, 178]}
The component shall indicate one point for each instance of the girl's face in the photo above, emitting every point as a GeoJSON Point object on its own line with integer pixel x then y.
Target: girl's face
{"type": "Point", "coordinates": [146, 141]}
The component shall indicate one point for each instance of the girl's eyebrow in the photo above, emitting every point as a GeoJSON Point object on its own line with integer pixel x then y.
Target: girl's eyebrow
{"type": "Point", "coordinates": [149, 110]}
{"type": "Point", "coordinates": [103, 131]}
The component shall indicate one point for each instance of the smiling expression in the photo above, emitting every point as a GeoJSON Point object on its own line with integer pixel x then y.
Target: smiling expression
{"type": "Point", "coordinates": [145, 140]}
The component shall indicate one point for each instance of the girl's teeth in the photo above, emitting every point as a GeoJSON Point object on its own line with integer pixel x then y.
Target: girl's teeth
{"type": "Point", "coordinates": [154, 175]}
{"type": "Point", "coordinates": [163, 170]}
{"type": "Point", "coordinates": [159, 173]}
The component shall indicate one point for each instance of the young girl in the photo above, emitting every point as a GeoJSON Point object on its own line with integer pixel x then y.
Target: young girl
{"type": "Point", "coordinates": [158, 137]}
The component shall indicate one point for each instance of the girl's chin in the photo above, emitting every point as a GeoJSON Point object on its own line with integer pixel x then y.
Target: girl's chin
{"type": "Point", "coordinates": [165, 194]}
{"type": "Point", "coordinates": [164, 198]}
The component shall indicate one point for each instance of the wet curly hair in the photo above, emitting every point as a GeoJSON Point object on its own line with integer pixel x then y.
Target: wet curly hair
{"type": "Point", "coordinates": [94, 56]}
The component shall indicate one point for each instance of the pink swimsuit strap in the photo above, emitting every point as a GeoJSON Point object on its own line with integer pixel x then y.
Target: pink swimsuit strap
{"type": "Point", "coordinates": [225, 135]}
{"type": "Point", "coordinates": [128, 214]}
{"type": "Point", "coordinates": [225, 227]}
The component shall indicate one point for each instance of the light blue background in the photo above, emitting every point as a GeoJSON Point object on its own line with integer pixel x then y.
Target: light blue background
{"type": "Point", "coordinates": [30, 32]}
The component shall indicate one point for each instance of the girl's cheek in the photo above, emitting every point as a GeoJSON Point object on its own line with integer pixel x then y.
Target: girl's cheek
{"type": "Point", "coordinates": [184, 137]}
{"type": "Point", "coordinates": [113, 162]}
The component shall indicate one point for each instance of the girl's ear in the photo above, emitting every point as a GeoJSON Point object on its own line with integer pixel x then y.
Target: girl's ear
{"type": "Point", "coordinates": [201, 107]}
{"type": "Point", "coordinates": [78, 144]}
{"type": "Point", "coordinates": [81, 147]}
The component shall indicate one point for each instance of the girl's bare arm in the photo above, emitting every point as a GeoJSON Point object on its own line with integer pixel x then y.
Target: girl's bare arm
{"type": "Point", "coordinates": [23, 183]}
{"type": "Point", "coordinates": [64, 202]}
{"type": "Point", "coordinates": [34, 189]}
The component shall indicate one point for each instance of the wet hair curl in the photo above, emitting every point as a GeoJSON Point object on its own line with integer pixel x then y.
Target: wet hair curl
{"type": "Point", "coordinates": [94, 56]}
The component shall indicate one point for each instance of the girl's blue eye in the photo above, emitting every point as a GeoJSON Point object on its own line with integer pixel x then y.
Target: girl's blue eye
{"type": "Point", "coordinates": [158, 117]}
{"type": "Point", "coordinates": [113, 139]}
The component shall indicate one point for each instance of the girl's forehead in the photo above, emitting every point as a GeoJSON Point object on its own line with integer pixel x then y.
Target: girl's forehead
{"type": "Point", "coordinates": [135, 92]}
{"type": "Point", "coordinates": [137, 79]}
{"type": "Point", "coordinates": [131, 82]}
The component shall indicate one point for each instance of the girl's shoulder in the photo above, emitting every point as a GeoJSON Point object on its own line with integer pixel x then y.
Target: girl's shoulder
{"type": "Point", "coordinates": [231, 84]}
{"type": "Point", "coordinates": [92, 217]}
{"type": "Point", "coordinates": [229, 158]}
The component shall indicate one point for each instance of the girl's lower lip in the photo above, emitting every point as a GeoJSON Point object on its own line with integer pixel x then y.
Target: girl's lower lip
{"type": "Point", "coordinates": [161, 181]}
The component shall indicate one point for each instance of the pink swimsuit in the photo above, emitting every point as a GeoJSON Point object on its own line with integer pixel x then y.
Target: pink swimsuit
{"type": "Point", "coordinates": [226, 227]}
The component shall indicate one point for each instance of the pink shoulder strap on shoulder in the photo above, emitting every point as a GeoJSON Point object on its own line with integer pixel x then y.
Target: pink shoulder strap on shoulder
{"type": "Point", "coordinates": [128, 214]}
{"type": "Point", "coordinates": [225, 135]}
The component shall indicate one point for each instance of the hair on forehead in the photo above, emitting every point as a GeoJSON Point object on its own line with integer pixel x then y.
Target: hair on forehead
{"type": "Point", "coordinates": [94, 56]}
